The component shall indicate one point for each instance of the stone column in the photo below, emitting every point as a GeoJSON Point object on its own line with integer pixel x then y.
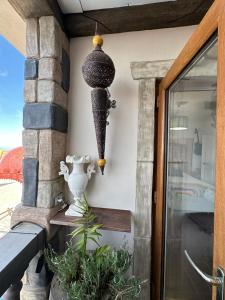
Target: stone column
{"type": "Point", "coordinates": [145, 157]}
{"type": "Point", "coordinates": [45, 120]}
{"type": "Point", "coordinates": [45, 111]}
{"type": "Point", "coordinates": [147, 73]}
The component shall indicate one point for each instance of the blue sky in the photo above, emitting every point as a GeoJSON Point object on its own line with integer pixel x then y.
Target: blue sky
{"type": "Point", "coordinates": [11, 95]}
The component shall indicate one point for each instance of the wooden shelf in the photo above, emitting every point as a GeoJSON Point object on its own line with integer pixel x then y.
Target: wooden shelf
{"type": "Point", "coordinates": [111, 219]}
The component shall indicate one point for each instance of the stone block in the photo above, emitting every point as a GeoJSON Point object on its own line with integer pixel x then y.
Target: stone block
{"type": "Point", "coordinates": [150, 69]}
{"type": "Point", "coordinates": [50, 37]}
{"type": "Point", "coordinates": [32, 38]}
{"type": "Point", "coordinates": [142, 264]}
{"type": "Point", "coordinates": [50, 91]}
{"type": "Point", "coordinates": [50, 68]}
{"type": "Point", "coordinates": [30, 181]}
{"type": "Point", "coordinates": [65, 71]}
{"type": "Point", "coordinates": [45, 116]}
{"type": "Point", "coordinates": [31, 68]}
{"type": "Point", "coordinates": [40, 216]}
{"type": "Point", "coordinates": [30, 143]}
{"type": "Point", "coordinates": [146, 120]}
{"type": "Point", "coordinates": [48, 191]}
{"type": "Point", "coordinates": [30, 90]}
{"type": "Point", "coordinates": [52, 149]}
{"type": "Point", "coordinates": [32, 8]}
{"type": "Point", "coordinates": [143, 202]}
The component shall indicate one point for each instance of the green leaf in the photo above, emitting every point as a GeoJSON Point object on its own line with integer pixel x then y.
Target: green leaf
{"type": "Point", "coordinates": [77, 232]}
{"type": "Point", "coordinates": [94, 228]}
{"type": "Point", "coordinates": [94, 240]}
{"type": "Point", "coordinates": [98, 234]}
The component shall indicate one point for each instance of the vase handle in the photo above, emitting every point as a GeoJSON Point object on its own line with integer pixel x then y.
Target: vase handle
{"type": "Point", "coordinates": [64, 170]}
{"type": "Point", "coordinates": [90, 170]}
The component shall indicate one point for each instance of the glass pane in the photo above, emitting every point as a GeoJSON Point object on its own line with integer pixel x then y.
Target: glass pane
{"type": "Point", "coordinates": [190, 182]}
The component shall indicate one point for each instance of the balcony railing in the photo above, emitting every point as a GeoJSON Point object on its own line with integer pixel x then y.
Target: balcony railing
{"type": "Point", "coordinates": [6, 213]}
{"type": "Point", "coordinates": [17, 248]}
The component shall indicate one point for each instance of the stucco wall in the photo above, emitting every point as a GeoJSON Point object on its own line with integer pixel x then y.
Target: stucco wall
{"type": "Point", "coordinates": [116, 189]}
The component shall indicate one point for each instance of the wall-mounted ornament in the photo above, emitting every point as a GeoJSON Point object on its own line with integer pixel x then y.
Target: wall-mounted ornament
{"type": "Point", "coordinates": [77, 180]}
{"type": "Point", "coordinates": [98, 72]}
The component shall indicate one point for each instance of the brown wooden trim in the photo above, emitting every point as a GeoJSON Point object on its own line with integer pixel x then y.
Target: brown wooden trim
{"type": "Point", "coordinates": [219, 219]}
{"type": "Point", "coordinates": [158, 207]}
{"type": "Point", "coordinates": [206, 28]}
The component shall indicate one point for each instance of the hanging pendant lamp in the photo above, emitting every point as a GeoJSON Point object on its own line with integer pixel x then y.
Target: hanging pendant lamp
{"type": "Point", "coordinates": [98, 72]}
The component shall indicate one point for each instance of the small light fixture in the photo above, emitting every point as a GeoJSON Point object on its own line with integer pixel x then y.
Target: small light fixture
{"type": "Point", "coordinates": [98, 72]}
{"type": "Point", "coordinates": [179, 123]}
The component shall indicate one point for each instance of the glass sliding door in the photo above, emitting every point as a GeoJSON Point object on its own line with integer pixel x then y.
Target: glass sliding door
{"type": "Point", "coordinates": [190, 178]}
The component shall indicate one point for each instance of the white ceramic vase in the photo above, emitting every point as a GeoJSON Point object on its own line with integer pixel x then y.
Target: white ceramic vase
{"type": "Point", "coordinates": [77, 180]}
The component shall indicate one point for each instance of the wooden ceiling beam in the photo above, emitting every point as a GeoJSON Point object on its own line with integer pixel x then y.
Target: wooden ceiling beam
{"type": "Point", "coordinates": [135, 18]}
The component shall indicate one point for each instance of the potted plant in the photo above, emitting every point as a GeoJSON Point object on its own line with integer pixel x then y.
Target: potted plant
{"type": "Point", "coordinates": [101, 274]}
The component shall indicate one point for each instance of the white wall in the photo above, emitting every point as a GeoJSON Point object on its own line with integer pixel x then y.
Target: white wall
{"type": "Point", "coordinates": [116, 189]}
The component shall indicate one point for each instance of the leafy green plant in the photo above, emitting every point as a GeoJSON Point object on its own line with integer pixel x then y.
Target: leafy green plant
{"type": "Point", "coordinates": [101, 274]}
{"type": "Point", "coordinates": [86, 229]}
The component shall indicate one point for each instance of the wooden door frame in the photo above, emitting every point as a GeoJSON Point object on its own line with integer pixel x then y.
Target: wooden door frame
{"type": "Point", "coordinates": [214, 20]}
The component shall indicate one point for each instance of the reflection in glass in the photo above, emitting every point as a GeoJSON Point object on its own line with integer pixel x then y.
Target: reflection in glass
{"type": "Point", "coordinates": [190, 178]}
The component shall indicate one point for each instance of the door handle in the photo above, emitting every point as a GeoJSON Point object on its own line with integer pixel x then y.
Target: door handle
{"type": "Point", "coordinates": [212, 280]}
{"type": "Point", "coordinates": [217, 280]}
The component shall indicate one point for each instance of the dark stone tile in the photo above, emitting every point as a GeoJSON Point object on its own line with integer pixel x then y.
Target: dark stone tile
{"type": "Point", "coordinates": [65, 71]}
{"type": "Point", "coordinates": [30, 181]}
{"type": "Point", "coordinates": [31, 69]}
{"type": "Point", "coordinates": [60, 118]}
{"type": "Point", "coordinates": [45, 116]}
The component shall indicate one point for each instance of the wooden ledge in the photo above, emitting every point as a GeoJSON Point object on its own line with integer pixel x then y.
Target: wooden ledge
{"type": "Point", "coordinates": [112, 219]}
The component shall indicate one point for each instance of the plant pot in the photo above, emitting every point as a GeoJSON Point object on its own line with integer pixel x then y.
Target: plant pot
{"type": "Point", "coordinates": [56, 292]}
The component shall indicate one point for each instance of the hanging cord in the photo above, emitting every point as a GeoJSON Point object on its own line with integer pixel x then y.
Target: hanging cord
{"type": "Point", "coordinates": [97, 21]}
{"type": "Point", "coordinates": [96, 28]}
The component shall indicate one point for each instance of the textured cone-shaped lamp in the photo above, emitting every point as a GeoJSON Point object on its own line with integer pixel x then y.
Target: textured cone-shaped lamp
{"type": "Point", "coordinates": [99, 71]}
{"type": "Point", "coordinates": [99, 108]}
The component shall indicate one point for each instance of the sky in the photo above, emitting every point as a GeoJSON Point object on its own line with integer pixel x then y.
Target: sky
{"type": "Point", "coordinates": [11, 95]}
